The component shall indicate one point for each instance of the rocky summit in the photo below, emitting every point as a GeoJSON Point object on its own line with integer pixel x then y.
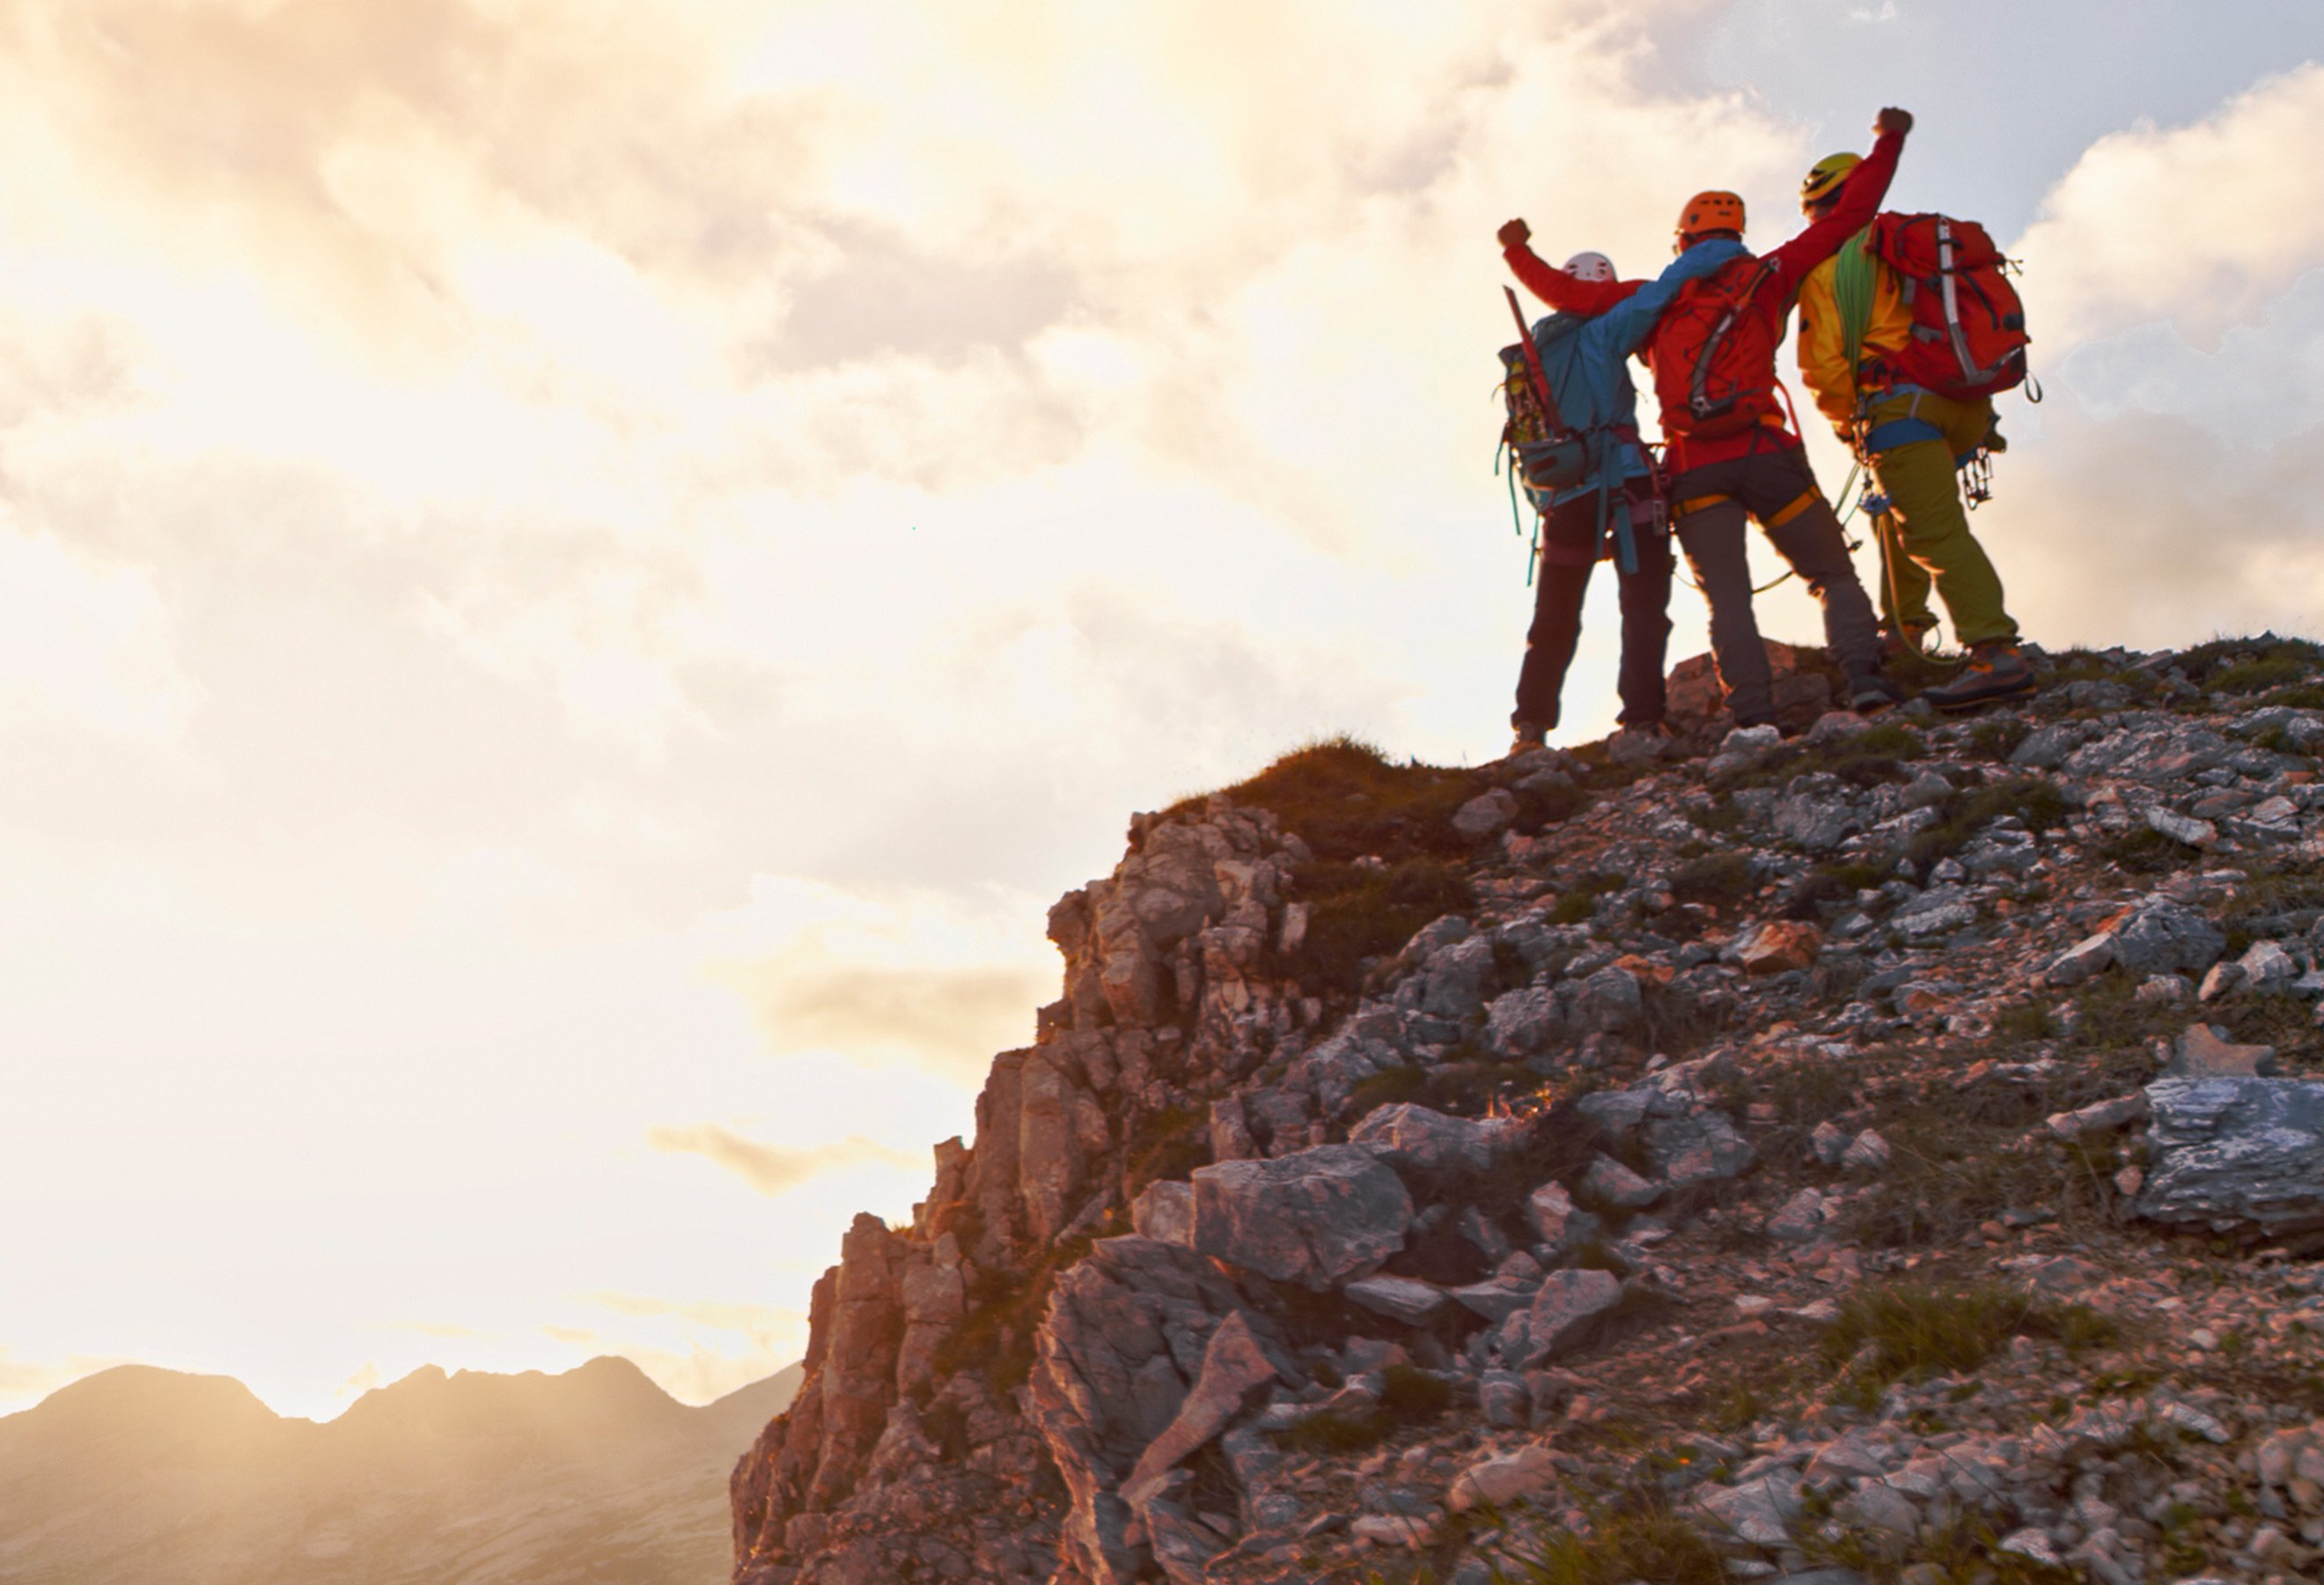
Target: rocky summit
{"type": "Point", "coordinates": [1881, 1150]}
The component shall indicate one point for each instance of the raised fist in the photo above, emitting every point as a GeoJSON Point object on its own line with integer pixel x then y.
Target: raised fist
{"type": "Point", "coordinates": [1892, 119]}
{"type": "Point", "coordinates": [1516, 233]}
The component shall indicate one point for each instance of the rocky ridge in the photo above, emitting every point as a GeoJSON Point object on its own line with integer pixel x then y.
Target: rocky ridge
{"type": "Point", "coordinates": [1893, 1150]}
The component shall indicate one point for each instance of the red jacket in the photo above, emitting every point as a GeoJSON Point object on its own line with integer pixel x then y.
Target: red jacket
{"type": "Point", "coordinates": [1860, 200]}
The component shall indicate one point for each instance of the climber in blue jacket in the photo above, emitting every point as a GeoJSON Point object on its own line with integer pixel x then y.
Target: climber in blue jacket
{"type": "Point", "coordinates": [1616, 513]}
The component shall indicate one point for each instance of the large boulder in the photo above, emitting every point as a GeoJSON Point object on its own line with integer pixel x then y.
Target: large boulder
{"type": "Point", "coordinates": [2237, 1155]}
{"type": "Point", "coordinates": [1233, 1367]}
{"type": "Point", "coordinates": [1316, 1217]}
{"type": "Point", "coordinates": [1610, 1002]}
{"type": "Point", "coordinates": [1526, 1022]}
{"type": "Point", "coordinates": [2165, 937]}
{"type": "Point", "coordinates": [1413, 1139]}
{"type": "Point", "coordinates": [1697, 1146]}
{"type": "Point", "coordinates": [1126, 1342]}
{"type": "Point", "coordinates": [1454, 985]}
{"type": "Point", "coordinates": [1816, 815]}
{"type": "Point", "coordinates": [1560, 1317]}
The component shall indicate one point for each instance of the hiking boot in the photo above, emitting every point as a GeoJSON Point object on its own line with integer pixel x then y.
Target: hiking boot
{"type": "Point", "coordinates": [1870, 691]}
{"type": "Point", "coordinates": [1530, 735]}
{"type": "Point", "coordinates": [1638, 743]}
{"type": "Point", "coordinates": [1994, 671]}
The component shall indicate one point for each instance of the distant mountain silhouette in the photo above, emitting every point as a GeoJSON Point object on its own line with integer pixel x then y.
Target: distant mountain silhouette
{"type": "Point", "coordinates": [138, 1475]}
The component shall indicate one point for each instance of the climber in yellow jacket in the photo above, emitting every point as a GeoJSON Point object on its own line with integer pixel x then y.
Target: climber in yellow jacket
{"type": "Point", "coordinates": [1913, 442]}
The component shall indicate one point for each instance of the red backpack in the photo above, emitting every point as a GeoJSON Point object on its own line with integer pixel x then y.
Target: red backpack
{"type": "Point", "coordinates": [1714, 353]}
{"type": "Point", "coordinates": [1968, 326]}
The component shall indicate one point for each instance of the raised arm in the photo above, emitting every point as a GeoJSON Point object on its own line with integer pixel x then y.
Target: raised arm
{"type": "Point", "coordinates": [1553, 285]}
{"type": "Point", "coordinates": [1629, 323]}
{"type": "Point", "coordinates": [1860, 200]}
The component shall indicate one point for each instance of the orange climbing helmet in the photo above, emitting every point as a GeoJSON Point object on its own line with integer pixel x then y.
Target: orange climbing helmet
{"type": "Point", "coordinates": [1824, 178]}
{"type": "Point", "coordinates": [1711, 212]}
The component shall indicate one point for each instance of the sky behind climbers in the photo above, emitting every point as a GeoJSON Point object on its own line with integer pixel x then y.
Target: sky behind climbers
{"type": "Point", "coordinates": [574, 577]}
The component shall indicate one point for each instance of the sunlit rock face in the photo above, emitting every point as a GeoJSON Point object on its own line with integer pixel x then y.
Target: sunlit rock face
{"type": "Point", "coordinates": [1408, 1145]}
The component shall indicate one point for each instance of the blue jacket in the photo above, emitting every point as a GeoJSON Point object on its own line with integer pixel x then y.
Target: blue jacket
{"type": "Point", "coordinates": [1586, 360]}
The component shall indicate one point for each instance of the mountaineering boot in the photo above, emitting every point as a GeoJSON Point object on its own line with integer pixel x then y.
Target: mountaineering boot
{"type": "Point", "coordinates": [1994, 671]}
{"type": "Point", "coordinates": [1869, 692]}
{"type": "Point", "coordinates": [1530, 735]}
{"type": "Point", "coordinates": [1639, 741]}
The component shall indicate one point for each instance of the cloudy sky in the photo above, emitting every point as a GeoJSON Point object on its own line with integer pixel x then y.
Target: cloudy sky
{"type": "Point", "coordinates": [575, 576]}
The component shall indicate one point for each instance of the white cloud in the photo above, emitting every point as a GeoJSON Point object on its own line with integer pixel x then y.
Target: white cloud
{"type": "Point", "coordinates": [2202, 226]}
{"type": "Point", "coordinates": [772, 1170]}
{"type": "Point", "coordinates": [2175, 286]}
{"type": "Point", "coordinates": [85, 644]}
{"type": "Point", "coordinates": [915, 976]}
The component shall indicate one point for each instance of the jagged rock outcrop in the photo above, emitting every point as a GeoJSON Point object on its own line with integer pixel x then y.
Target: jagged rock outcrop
{"type": "Point", "coordinates": [1408, 1145]}
{"type": "Point", "coordinates": [2232, 1154]}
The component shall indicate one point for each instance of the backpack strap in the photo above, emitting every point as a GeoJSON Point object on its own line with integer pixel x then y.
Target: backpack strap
{"type": "Point", "coordinates": [1698, 397]}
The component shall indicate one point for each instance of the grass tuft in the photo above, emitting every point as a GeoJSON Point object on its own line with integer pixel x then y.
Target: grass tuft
{"type": "Point", "coordinates": [1716, 880]}
{"type": "Point", "coordinates": [2034, 801]}
{"type": "Point", "coordinates": [1361, 913]}
{"type": "Point", "coordinates": [1643, 1542]}
{"type": "Point", "coordinates": [1906, 1332]}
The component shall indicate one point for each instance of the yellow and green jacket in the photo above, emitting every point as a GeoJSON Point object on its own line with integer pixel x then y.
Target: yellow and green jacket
{"type": "Point", "coordinates": [1825, 362]}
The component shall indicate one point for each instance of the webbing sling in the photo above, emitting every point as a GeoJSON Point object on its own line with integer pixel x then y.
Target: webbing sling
{"type": "Point", "coordinates": [1785, 513]}
{"type": "Point", "coordinates": [1790, 509]}
{"type": "Point", "coordinates": [1852, 288]}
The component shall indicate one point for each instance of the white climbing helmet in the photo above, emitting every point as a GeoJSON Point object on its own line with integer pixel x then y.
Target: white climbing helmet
{"type": "Point", "coordinates": [1591, 266]}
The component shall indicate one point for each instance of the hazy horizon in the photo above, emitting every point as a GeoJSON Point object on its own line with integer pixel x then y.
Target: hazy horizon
{"type": "Point", "coordinates": [575, 581]}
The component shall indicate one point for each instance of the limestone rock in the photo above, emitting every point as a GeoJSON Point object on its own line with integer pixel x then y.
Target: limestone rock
{"type": "Point", "coordinates": [2205, 1051]}
{"type": "Point", "coordinates": [1233, 1367]}
{"type": "Point", "coordinates": [2267, 967]}
{"type": "Point", "coordinates": [2099, 1116]}
{"type": "Point", "coordinates": [1165, 1210]}
{"type": "Point", "coordinates": [1562, 1313]}
{"type": "Point", "coordinates": [1759, 1512]}
{"type": "Point", "coordinates": [1867, 1152]}
{"type": "Point", "coordinates": [1610, 1002]}
{"type": "Point", "coordinates": [1405, 1299]}
{"type": "Point", "coordinates": [1126, 1336]}
{"type": "Point", "coordinates": [1778, 945]}
{"type": "Point", "coordinates": [2165, 937]}
{"type": "Point", "coordinates": [2085, 960]}
{"type": "Point", "coordinates": [1526, 1022]}
{"type": "Point", "coordinates": [1550, 1209]}
{"type": "Point", "coordinates": [1455, 981]}
{"type": "Point", "coordinates": [1416, 1140]}
{"type": "Point", "coordinates": [2046, 747]}
{"type": "Point", "coordinates": [1610, 1182]}
{"type": "Point", "coordinates": [1800, 1218]}
{"type": "Point", "coordinates": [1815, 819]}
{"type": "Point", "coordinates": [1316, 1217]}
{"type": "Point", "coordinates": [1527, 1472]}
{"type": "Point", "coordinates": [1699, 1146]}
{"type": "Point", "coordinates": [1486, 813]}
{"type": "Point", "coordinates": [2236, 1153]}
{"type": "Point", "coordinates": [2181, 827]}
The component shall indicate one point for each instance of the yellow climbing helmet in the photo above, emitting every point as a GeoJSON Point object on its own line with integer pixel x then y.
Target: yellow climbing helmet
{"type": "Point", "coordinates": [1824, 177]}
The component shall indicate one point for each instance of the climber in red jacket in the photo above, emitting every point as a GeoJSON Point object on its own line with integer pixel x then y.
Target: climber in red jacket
{"type": "Point", "coordinates": [1731, 451]}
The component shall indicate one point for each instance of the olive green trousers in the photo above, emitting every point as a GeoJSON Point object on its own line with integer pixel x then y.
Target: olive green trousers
{"type": "Point", "coordinates": [1925, 536]}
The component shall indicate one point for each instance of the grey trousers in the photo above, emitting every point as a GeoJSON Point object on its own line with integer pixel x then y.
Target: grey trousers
{"type": "Point", "coordinates": [1775, 486]}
